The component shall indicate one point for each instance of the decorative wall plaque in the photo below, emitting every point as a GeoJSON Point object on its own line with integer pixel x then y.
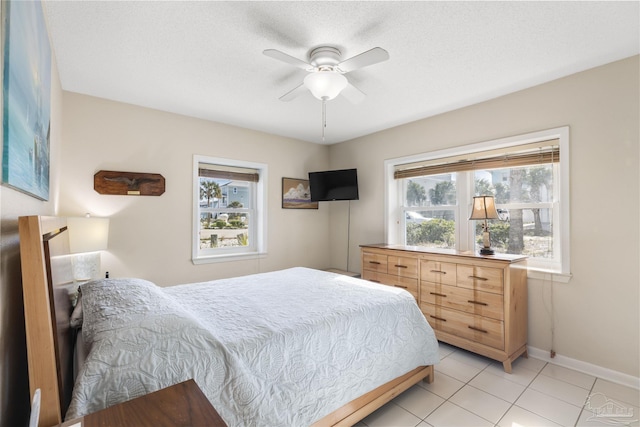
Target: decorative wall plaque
{"type": "Point", "coordinates": [128, 183]}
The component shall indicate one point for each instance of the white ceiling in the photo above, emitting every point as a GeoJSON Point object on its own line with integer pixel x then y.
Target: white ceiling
{"type": "Point", "coordinates": [204, 58]}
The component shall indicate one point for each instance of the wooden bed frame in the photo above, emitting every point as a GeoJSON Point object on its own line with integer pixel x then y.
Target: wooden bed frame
{"type": "Point", "coordinates": [50, 339]}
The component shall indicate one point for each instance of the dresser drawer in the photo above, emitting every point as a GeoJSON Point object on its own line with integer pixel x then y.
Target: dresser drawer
{"type": "Point", "coordinates": [374, 262]}
{"type": "Point", "coordinates": [438, 272]}
{"type": "Point", "coordinates": [374, 276]}
{"type": "Point", "coordinates": [481, 278]}
{"type": "Point", "coordinates": [401, 266]}
{"type": "Point", "coordinates": [475, 328]}
{"type": "Point", "coordinates": [411, 285]}
{"type": "Point", "coordinates": [473, 302]}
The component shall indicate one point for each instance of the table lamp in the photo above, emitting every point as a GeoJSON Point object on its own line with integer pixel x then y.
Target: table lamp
{"type": "Point", "coordinates": [484, 208]}
{"type": "Point", "coordinates": [87, 236]}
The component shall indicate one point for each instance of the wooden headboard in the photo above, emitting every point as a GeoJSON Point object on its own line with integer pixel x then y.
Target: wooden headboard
{"type": "Point", "coordinates": [47, 309]}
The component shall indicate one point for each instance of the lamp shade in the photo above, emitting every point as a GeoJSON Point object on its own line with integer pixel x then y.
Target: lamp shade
{"type": "Point", "coordinates": [325, 84]}
{"type": "Point", "coordinates": [484, 207]}
{"type": "Point", "coordinates": [88, 234]}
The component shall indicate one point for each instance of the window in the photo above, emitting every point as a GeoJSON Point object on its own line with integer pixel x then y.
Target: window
{"type": "Point", "coordinates": [430, 208]}
{"type": "Point", "coordinates": [429, 198]}
{"type": "Point", "coordinates": [229, 209]}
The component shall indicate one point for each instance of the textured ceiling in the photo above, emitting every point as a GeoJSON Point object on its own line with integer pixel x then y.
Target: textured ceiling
{"type": "Point", "coordinates": [204, 58]}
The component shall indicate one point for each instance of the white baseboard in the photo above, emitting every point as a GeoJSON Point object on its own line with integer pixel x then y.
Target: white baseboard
{"type": "Point", "coordinates": [587, 368]}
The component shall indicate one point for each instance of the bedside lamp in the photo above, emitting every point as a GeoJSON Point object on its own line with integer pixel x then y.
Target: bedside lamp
{"type": "Point", "coordinates": [87, 236]}
{"type": "Point", "coordinates": [484, 208]}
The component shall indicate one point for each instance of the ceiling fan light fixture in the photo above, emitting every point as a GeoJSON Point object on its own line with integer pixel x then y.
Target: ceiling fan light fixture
{"type": "Point", "coordinates": [325, 85]}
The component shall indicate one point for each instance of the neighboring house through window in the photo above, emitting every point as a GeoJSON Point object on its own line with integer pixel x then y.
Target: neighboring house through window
{"type": "Point", "coordinates": [229, 209]}
{"type": "Point", "coordinates": [429, 198]}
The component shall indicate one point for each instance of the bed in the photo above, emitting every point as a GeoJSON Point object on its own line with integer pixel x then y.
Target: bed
{"type": "Point", "coordinates": [294, 347]}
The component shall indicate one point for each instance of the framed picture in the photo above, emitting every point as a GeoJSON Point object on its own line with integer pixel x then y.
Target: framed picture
{"type": "Point", "coordinates": [26, 87]}
{"type": "Point", "coordinates": [296, 194]}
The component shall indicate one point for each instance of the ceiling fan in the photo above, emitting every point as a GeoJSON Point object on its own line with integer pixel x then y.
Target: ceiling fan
{"type": "Point", "coordinates": [326, 78]}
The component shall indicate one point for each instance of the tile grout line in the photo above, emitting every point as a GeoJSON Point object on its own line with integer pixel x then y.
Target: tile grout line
{"type": "Point", "coordinates": [520, 395]}
{"type": "Point", "coordinates": [583, 405]}
{"type": "Point", "coordinates": [456, 392]}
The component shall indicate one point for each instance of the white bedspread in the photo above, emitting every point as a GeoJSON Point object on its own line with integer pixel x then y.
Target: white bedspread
{"type": "Point", "coordinates": [274, 349]}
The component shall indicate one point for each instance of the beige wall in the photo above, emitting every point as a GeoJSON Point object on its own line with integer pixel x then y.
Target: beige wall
{"type": "Point", "coordinates": [150, 237]}
{"type": "Point", "coordinates": [597, 313]}
{"type": "Point", "coordinates": [14, 392]}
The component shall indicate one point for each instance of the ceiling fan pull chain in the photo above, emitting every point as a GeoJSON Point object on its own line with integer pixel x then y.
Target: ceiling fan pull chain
{"type": "Point", "coordinates": [324, 117]}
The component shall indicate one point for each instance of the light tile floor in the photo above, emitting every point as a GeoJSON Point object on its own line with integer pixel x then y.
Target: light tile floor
{"type": "Point", "coordinates": [471, 390]}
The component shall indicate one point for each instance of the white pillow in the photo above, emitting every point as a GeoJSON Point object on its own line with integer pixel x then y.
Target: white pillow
{"type": "Point", "coordinates": [76, 316]}
{"type": "Point", "coordinates": [111, 304]}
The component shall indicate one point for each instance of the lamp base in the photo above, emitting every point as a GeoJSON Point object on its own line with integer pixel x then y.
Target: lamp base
{"type": "Point", "coordinates": [487, 251]}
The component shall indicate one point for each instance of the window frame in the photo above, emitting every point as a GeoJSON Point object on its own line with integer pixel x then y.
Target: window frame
{"type": "Point", "coordinates": [259, 200]}
{"type": "Point", "coordinates": [393, 197]}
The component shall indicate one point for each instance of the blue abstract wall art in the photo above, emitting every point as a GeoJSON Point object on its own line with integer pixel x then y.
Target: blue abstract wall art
{"type": "Point", "coordinates": [26, 99]}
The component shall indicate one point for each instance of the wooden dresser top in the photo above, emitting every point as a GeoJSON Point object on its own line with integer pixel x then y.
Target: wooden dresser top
{"type": "Point", "coordinates": [468, 254]}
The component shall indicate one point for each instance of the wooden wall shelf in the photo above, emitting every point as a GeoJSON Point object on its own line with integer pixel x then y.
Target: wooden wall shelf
{"type": "Point", "coordinates": [128, 183]}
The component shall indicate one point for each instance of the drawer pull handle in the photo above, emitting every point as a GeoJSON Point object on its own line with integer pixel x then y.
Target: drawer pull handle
{"type": "Point", "coordinates": [374, 262]}
{"type": "Point", "coordinates": [477, 302]}
{"type": "Point", "coordinates": [375, 281]}
{"type": "Point", "coordinates": [400, 266]}
{"type": "Point", "coordinates": [400, 286]}
{"type": "Point", "coordinates": [439, 318]}
{"type": "Point", "coordinates": [439, 271]}
{"type": "Point", "coordinates": [437, 294]}
{"type": "Point", "coordinates": [478, 278]}
{"type": "Point", "coordinates": [478, 329]}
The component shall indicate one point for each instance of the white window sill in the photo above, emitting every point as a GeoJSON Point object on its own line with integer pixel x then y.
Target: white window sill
{"type": "Point", "coordinates": [209, 259]}
{"type": "Point", "coordinates": [549, 275]}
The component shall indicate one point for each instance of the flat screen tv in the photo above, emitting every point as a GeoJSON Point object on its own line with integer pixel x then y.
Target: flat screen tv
{"type": "Point", "coordinates": [334, 185]}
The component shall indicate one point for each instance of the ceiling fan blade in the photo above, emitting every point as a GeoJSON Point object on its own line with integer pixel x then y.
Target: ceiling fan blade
{"type": "Point", "coordinates": [293, 93]}
{"type": "Point", "coordinates": [370, 57]}
{"type": "Point", "coordinates": [281, 56]}
{"type": "Point", "coordinates": [353, 94]}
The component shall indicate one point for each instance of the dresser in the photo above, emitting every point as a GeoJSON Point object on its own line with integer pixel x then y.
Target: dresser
{"type": "Point", "coordinates": [474, 302]}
